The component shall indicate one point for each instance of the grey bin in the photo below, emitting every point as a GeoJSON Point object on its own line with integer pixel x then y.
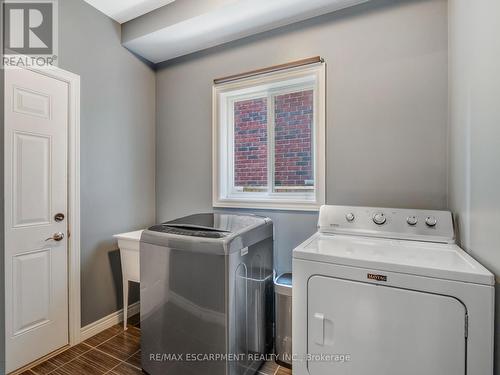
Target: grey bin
{"type": "Point", "coordinates": [283, 293]}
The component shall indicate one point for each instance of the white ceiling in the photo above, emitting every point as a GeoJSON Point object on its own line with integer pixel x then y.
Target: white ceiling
{"type": "Point", "coordinates": [229, 21]}
{"type": "Point", "coordinates": [125, 10]}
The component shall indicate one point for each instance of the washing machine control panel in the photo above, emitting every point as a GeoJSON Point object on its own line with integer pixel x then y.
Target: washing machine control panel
{"type": "Point", "coordinates": [422, 225]}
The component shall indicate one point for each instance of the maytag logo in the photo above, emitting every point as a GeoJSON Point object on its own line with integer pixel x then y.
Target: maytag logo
{"type": "Point", "coordinates": [372, 276]}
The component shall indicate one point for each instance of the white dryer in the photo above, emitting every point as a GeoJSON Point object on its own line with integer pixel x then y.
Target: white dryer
{"type": "Point", "coordinates": [387, 291]}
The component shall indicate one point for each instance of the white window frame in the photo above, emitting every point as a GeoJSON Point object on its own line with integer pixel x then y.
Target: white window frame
{"type": "Point", "coordinates": [267, 85]}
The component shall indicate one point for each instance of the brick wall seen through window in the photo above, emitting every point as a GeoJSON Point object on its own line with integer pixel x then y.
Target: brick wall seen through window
{"type": "Point", "coordinates": [292, 137]}
{"type": "Point", "coordinates": [250, 143]}
{"type": "Point", "coordinates": [293, 159]}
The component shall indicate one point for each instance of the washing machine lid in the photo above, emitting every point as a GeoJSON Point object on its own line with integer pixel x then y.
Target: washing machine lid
{"type": "Point", "coordinates": [444, 261]}
{"type": "Point", "coordinates": [209, 221]}
{"type": "Point", "coordinates": [214, 233]}
{"type": "Point", "coordinates": [211, 225]}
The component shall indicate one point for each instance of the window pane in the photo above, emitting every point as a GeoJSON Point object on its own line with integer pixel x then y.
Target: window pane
{"type": "Point", "coordinates": [293, 142]}
{"type": "Point", "coordinates": [250, 145]}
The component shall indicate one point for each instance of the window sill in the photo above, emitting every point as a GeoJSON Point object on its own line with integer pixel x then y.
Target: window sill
{"type": "Point", "coordinates": [267, 205]}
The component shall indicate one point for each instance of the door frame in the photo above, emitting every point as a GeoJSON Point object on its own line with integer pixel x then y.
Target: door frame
{"type": "Point", "coordinates": [74, 301]}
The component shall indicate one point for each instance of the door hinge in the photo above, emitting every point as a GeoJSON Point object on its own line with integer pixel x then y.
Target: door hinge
{"type": "Point", "coordinates": [466, 326]}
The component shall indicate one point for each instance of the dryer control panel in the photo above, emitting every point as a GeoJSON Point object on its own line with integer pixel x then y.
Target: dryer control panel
{"type": "Point", "coordinates": [407, 224]}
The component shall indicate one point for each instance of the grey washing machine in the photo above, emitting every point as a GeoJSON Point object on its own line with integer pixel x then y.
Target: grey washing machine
{"type": "Point", "coordinates": [207, 295]}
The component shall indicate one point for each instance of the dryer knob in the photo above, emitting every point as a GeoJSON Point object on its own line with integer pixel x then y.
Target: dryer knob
{"type": "Point", "coordinates": [412, 220]}
{"type": "Point", "coordinates": [350, 217]}
{"type": "Point", "coordinates": [431, 221]}
{"type": "Point", "coordinates": [379, 218]}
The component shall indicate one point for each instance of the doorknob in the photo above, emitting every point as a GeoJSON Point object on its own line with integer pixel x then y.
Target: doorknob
{"type": "Point", "coordinates": [58, 236]}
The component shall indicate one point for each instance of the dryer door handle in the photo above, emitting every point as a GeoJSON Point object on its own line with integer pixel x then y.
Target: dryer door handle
{"type": "Point", "coordinates": [318, 329]}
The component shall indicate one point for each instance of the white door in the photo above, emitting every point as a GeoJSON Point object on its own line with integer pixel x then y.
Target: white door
{"type": "Point", "coordinates": [36, 291]}
{"type": "Point", "coordinates": [383, 330]}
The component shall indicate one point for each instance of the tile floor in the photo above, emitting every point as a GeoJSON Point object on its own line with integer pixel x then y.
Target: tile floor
{"type": "Point", "coordinates": [114, 352]}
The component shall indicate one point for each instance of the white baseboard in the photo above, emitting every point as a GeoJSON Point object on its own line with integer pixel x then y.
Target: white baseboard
{"type": "Point", "coordinates": [107, 322]}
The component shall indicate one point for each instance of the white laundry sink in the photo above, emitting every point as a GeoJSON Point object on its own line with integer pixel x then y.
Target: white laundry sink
{"type": "Point", "coordinates": [129, 244]}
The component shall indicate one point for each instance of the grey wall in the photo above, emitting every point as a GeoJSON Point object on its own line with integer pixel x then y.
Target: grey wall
{"type": "Point", "coordinates": [117, 153]}
{"type": "Point", "coordinates": [475, 132]}
{"type": "Point", "coordinates": [387, 111]}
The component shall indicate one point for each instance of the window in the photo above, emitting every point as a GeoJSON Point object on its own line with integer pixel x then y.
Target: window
{"type": "Point", "coordinates": [269, 140]}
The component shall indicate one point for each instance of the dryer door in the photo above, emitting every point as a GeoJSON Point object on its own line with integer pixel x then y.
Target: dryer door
{"type": "Point", "coordinates": [361, 328]}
